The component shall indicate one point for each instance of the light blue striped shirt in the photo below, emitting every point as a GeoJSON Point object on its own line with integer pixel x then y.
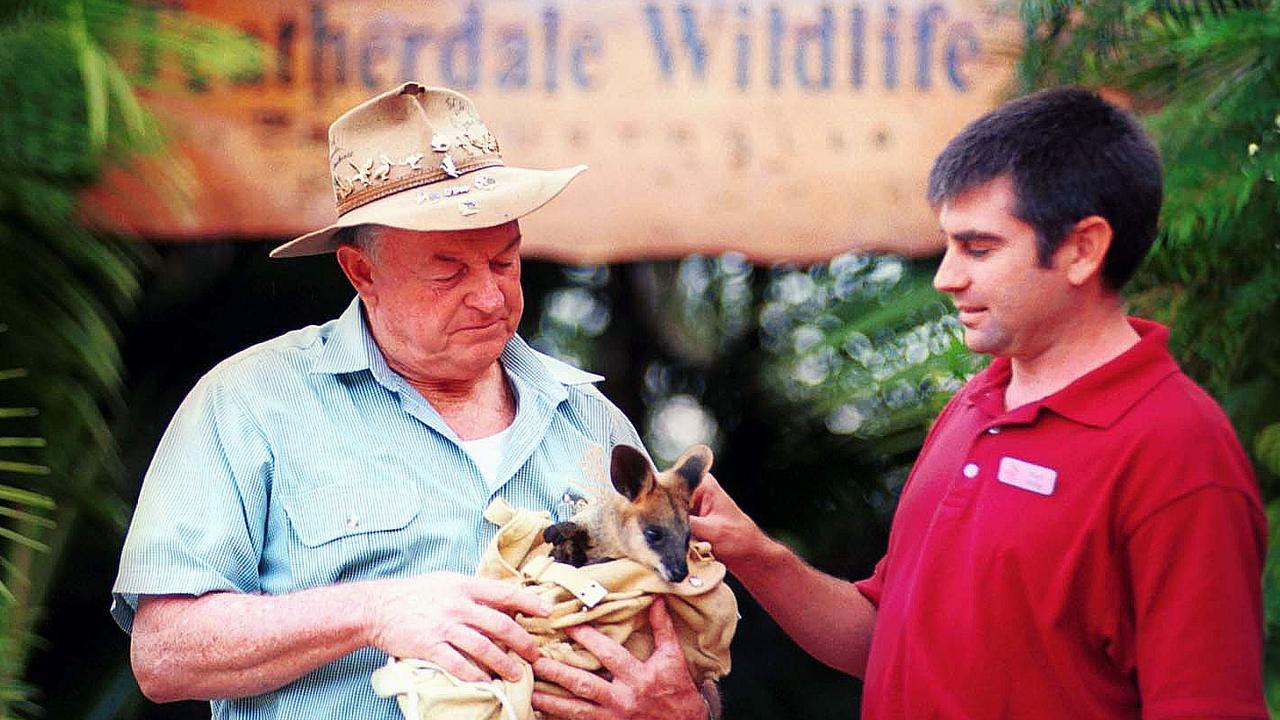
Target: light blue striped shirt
{"type": "Point", "coordinates": [306, 461]}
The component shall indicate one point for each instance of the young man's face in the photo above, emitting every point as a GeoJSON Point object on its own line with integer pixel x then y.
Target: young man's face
{"type": "Point", "coordinates": [1009, 304]}
{"type": "Point", "coordinates": [444, 304]}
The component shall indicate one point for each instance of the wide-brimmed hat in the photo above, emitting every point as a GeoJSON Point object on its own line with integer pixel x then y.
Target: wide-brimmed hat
{"type": "Point", "coordinates": [420, 158]}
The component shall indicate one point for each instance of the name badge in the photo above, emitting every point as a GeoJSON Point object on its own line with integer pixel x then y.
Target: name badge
{"type": "Point", "coordinates": [1028, 476]}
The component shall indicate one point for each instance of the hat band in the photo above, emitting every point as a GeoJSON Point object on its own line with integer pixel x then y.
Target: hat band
{"type": "Point", "coordinates": [416, 178]}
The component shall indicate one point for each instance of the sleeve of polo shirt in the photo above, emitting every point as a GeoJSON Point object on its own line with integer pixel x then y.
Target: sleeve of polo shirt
{"type": "Point", "coordinates": [872, 587]}
{"type": "Point", "coordinates": [1196, 566]}
{"type": "Point", "coordinates": [201, 516]}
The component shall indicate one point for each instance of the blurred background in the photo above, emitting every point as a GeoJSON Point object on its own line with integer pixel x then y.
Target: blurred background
{"type": "Point", "coordinates": [747, 262]}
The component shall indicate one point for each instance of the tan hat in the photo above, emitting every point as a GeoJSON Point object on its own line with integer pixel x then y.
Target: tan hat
{"type": "Point", "coordinates": [419, 158]}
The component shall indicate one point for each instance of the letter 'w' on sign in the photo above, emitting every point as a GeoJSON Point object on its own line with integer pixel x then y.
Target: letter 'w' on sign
{"type": "Point", "coordinates": [689, 34]}
{"type": "Point", "coordinates": [1028, 476]}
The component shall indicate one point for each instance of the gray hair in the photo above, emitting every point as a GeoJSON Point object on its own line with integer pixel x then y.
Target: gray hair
{"type": "Point", "coordinates": [366, 237]}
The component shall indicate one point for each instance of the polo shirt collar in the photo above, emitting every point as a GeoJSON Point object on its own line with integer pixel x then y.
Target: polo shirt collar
{"type": "Point", "coordinates": [1100, 397]}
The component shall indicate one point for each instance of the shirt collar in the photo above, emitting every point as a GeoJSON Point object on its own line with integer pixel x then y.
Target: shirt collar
{"type": "Point", "coordinates": [1098, 398]}
{"type": "Point", "coordinates": [540, 372]}
{"type": "Point", "coordinates": [348, 344]}
{"type": "Point", "coordinates": [350, 347]}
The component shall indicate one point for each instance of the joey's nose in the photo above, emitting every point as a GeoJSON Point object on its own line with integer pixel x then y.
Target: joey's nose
{"type": "Point", "coordinates": [676, 571]}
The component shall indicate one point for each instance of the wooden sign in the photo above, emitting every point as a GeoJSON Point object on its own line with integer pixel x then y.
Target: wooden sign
{"type": "Point", "coordinates": [784, 131]}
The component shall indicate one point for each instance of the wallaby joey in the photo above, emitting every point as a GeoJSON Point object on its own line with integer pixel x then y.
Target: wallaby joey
{"type": "Point", "coordinates": [648, 521]}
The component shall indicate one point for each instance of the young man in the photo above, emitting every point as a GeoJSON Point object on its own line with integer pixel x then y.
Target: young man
{"type": "Point", "coordinates": [317, 503]}
{"type": "Point", "coordinates": [1081, 535]}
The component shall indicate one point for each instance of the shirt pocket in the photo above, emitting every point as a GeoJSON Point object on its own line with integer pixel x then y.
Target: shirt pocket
{"type": "Point", "coordinates": [331, 512]}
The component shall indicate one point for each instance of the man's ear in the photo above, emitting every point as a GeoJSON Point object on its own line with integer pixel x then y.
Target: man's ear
{"type": "Point", "coordinates": [358, 268]}
{"type": "Point", "coordinates": [1084, 249]}
{"type": "Point", "coordinates": [631, 473]}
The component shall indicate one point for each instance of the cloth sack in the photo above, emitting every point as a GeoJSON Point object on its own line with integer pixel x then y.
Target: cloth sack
{"type": "Point", "coordinates": [613, 597]}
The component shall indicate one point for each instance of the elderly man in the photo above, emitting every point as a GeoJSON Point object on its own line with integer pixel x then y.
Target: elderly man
{"type": "Point", "coordinates": [315, 506]}
{"type": "Point", "coordinates": [1081, 536]}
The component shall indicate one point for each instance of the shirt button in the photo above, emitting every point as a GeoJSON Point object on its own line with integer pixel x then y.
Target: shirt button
{"type": "Point", "coordinates": [993, 431]}
{"type": "Point", "coordinates": [970, 471]}
{"type": "Point", "coordinates": [353, 522]}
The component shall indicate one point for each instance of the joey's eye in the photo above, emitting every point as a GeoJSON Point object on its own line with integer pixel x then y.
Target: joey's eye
{"type": "Point", "coordinates": [653, 534]}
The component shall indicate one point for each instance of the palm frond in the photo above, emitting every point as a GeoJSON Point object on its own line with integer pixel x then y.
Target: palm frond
{"type": "Point", "coordinates": [73, 68]}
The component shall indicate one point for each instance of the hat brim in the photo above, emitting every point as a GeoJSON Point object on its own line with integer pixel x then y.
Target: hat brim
{"type": "Point", "coordinates": [508, 194]}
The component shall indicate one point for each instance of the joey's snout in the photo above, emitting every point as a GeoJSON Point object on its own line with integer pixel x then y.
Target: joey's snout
{"type": "Point", "coordinates": [675, 569]}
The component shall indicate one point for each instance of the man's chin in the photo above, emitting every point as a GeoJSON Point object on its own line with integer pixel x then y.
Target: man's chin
{"type": "Point", "coordinates": [485, 353]}
{"type": "Point", "coordinates": [982, 343]}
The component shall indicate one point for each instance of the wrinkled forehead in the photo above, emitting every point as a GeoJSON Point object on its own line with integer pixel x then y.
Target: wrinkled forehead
{"type": "Point", "coordinates": [418, 247]}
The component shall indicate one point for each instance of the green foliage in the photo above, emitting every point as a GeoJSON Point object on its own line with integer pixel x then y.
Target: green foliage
{"type": "Point", "coordinates": [70, 112]}
{"type": "Point", "coordinates": [24, 528]}
{"type": "Point", "coordinates": [1267, 447]}
{"type": "Point", "coordinates": [1206, 80]}
{"type": "Point", "coordinates": [573, 316]}
{"type": "Point", "coordinates": [1205, 77]}
{"type": "Point", "coordinates": [61, 288]}
{"type": "Point", "coordinates": [864, 343]}
{"type": "Point", "coordinates": [849, 359]}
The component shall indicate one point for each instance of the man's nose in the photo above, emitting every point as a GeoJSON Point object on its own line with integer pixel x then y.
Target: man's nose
{"type": "Point", "coordinates": [486, 296]}
{"type": "Point", "coordinates": [951, 276]}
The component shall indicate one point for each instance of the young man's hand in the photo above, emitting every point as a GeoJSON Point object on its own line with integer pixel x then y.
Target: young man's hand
{"type": "Point", "coordinates": [657, 689]}
{"type": "Point", "coordinates": [715, 517]}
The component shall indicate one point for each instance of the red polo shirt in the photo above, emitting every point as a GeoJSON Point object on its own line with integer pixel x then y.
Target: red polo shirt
{"type": "Point", "coordinates": [1095, 554]}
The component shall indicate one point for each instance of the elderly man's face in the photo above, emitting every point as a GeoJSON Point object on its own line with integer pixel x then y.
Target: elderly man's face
{"type": "Point", "coordinates": [442, 305]}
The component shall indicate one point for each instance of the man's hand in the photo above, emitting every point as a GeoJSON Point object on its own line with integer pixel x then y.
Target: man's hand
{"type": "Point", "coordinates": [456, 621]}
{"type": "Point", "coordinates": [715, 517]}
{"type": "Point", "coordinates": [657, 689]}
{"type": "Point", "coordinates": [826, 615]}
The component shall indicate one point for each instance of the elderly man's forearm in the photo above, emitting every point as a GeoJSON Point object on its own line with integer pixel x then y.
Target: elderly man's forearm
{"type": "Point", "coordinates": [229, 645]}
{"type": "Point", "coordinates": [825, 615]}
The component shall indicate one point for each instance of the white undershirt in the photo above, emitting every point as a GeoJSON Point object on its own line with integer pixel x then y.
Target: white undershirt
{"type": "Point", "coordinates": [487, 452]}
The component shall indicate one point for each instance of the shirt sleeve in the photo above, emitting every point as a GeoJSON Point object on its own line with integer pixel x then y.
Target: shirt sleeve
{"type": "Point", "coordinates": [622, 432]}
{"type": "Point", "coordinates": [1196, 567]}
{"type": "Point", "coordinates": [200, 521]}
{"type": "Point", "coordinates": [873, 587]}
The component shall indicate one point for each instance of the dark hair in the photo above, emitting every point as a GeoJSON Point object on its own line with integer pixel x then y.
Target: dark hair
{"type": "Point", "coordinates": [1069, 154]}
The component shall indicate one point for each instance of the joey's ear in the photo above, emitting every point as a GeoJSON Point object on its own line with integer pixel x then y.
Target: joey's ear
{"type": "Point", "coordinates": [631, 472]}
{"type": "Point", "coordinates": [693, 465]}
